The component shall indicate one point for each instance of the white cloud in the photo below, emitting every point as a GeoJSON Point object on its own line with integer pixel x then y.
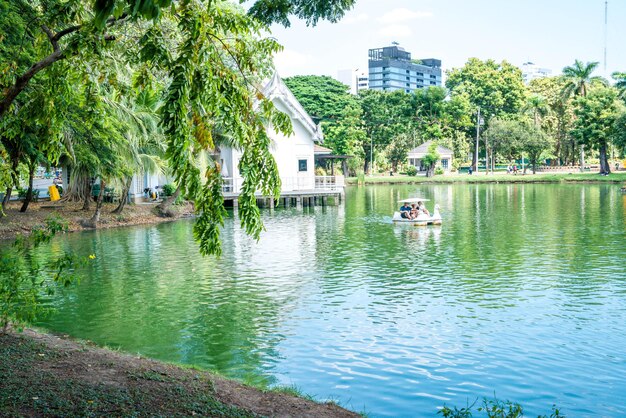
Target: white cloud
{"type": "Point", "coordinates": [349, 20]}
{"type": "Point", "coordinates": [395, 31]}
{"type": "Point", "coordinates": [402, 15]}
{"type": "Point", "coordinates": [289, 62]}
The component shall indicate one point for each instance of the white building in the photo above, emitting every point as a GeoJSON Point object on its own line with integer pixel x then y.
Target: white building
{"type": "Point", "coordinates": [294, 155]}
{"type": "Point", "coordinates": [530, 72]}
{"type": "Point", "coordinates": [356, 79]}
{"type": "Point", "coordinates": [417, 154]}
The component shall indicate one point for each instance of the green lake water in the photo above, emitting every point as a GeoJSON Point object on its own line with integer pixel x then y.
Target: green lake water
{"type": "Point", "coordinates": [521, 293]}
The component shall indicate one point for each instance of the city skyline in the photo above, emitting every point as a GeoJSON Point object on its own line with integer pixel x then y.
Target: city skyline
{"type": "Point", "coordinates": [550, 35]}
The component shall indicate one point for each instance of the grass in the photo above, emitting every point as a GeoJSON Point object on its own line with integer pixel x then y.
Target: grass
{"type": "Point", "coordinates": [29, 387]}
{"type": "Point", "coordinates": [41, 375]}
{"type": "Point", "coordinates": [494, 178]}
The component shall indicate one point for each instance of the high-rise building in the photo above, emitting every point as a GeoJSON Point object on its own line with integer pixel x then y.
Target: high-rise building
{"type": "Point", "coordinates": [530, 72]}
{"type": "Point", "coordinates": [357, 79]}
{"type": "Point", "coordinates": [391, 68]}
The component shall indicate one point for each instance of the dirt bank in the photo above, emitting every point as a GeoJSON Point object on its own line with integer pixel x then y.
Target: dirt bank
{"type": "Point", "coordinates": [22, 223]}
{"type": "Point", "coordinates": [44, 375]}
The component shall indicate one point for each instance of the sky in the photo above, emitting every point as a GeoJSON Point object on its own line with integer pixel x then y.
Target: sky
{"type": "Point", "coordinates": [550, 33]}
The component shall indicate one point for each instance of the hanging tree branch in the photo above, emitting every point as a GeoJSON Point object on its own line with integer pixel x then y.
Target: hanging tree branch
{"type": "Point", "coordinates": [11, 93]}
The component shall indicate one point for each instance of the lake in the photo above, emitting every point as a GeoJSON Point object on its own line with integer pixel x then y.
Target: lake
{"type": "Point", "coordinates": [521, 293]}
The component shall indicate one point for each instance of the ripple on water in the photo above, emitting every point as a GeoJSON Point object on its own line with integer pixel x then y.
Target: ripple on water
{"type": "Point", "coordinates": [390, 320]}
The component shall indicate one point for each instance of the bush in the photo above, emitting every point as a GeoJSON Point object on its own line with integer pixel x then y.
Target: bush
{"type": "Point", "coordinates": [439, 171]}
{"type": "Point", "coordinates": [167, 190]}
{"type": "Point", "coordinates": [411, 171]}
{"type": "Point", "coordinates": [21, 194]}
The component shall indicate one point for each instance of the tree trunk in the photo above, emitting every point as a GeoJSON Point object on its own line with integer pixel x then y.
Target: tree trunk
{"type": "Point", "coordinates": [93, 222]}
{"type": "Point", "coordinates": [164, 208]}
{"type": "Point", "coordinates": [87, 194]}
{"type": "Point", "coordinates": [365, 166]}
{"type": "Point", "coordinates": [604, 162]}
{"type": "Point", "coordinates": [29, 193]}
{"type": "Point", "coordinates": [7, 197]}
{"type": "Point", "coordinates": [124, 197]}
{"type": "Point", "coordinates": [344, 168]}
{"type": "Point", "coordinates": [582, 158]}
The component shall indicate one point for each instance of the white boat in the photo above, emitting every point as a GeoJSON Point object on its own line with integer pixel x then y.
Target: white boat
{"type": "Point", "coordinates": [422, 219]}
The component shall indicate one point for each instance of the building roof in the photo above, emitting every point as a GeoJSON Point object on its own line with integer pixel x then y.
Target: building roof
{"type": "Point", "coordinates": [320, 150]}
{"type": "Point", "coordinates": [423, 149]}
{"type": "Point", "coordinates": [277, 89]}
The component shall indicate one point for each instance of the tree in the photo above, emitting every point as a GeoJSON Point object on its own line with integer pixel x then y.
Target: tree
{"type": "Point", "coordinates": [620, 83]}
{"type": "Point", "coordinates": [430, 159]}
{"type": "Point", "coordinates": [323, 97]}
{"type": "Point", "coordinates": [597, 118]}
{"type": "Point", "coordinates": [537, 106]}
{"type": "Point", "coordinates": [346, 136]}
{"type": "Point", "coordinates": [578, 80]}
{"type": "Point", "coordinates": [557, 122]}
{"type": "Point", "coordinates": [443, 119]}
{"type": "Point", "coordinates": [213, 64]}
{"type": "Point", "coordinates": [398, 150]}
{"type": "Point", "coordinates": [514, 137]}
{"type": "Point", "coordinates": [385, 115]}
{"type": "Point", "coordinates": [497, 89]}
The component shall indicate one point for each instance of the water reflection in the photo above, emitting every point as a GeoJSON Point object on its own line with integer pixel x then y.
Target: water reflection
{"type": "Point", "coordinates": [521, 291]}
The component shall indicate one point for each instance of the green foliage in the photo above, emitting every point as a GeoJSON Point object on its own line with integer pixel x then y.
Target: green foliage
{"type": "Point", "coordinates": [512, 138]}
{"type": "Point", "coordinates": [23, 280]}
{"type": "Point", "coordinates": [167, 189]}
{"type": "Point", "coordinates": [398, 150]}
{"type": "Point", "coordinates": [385, 115]}
{"type": "Point", "coordinates": [323, 97]}
{"type": "Point", "coordinates": [430, 159]}
{"type": "Point", "coordinates": [439, 171]}
{"type": "Point", "coordinates": [411, 170]}
{"type": "Point", "coordinates": [496, 88]}
{"type": "Point", "coordinates": [579, 78]}
{"type": "Point", "coordinates": [597, 114]}
{"type": "Point", "coordinates": [493, 408]}
{"type": "Point", "coordinates": [597, 123]}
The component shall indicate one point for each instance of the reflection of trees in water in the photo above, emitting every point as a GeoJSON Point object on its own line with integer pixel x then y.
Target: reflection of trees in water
{"type": "Point", "coordinates": [149, 291]}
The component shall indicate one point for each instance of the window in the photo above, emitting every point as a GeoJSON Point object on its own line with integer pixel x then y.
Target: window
{"type": "Point", "coordinates": [444, 164]}
{"type": "Point", "coordinates": [302, 165]}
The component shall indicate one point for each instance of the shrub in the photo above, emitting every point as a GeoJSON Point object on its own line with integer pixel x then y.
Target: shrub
{"type": "Point", "coordinates": [168, 190]}
{"type": "Point", "coordinates": [411, 171]}
{"type": "Point", "coordinates": [439, 171]}
{"type": "Point", "coordinates": [21, 194]}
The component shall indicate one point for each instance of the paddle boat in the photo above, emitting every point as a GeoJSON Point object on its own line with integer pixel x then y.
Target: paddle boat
{"type": "Point", "coordinates": [422, 219]}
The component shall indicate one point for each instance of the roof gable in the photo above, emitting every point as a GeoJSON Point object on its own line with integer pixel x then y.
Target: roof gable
{"type": "Point", "coordinates": [277, 89]}
{"type": "Point", "coordinates": [423, 149]}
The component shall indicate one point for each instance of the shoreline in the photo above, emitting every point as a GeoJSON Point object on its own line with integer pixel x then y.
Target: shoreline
{"type": "Point", "coordinates": [44, 375]}
{"type": "Point", "coordinates": [482, 178]}
{"type": "Point", "coordinates": [16, 223]}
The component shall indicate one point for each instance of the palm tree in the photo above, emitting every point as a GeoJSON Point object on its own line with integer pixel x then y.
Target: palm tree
{"type": "Point", "coordinates": [578, 80]}
{"type": "Point", "coordinates": [537, 107]}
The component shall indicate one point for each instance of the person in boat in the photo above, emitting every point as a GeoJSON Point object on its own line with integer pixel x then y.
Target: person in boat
{"type": "Point", "coordinates": [422, 208]}
{"type": "Point", "coordinates": [405, 211]}
{"type": "Point", "coordinates": [414, 211]}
